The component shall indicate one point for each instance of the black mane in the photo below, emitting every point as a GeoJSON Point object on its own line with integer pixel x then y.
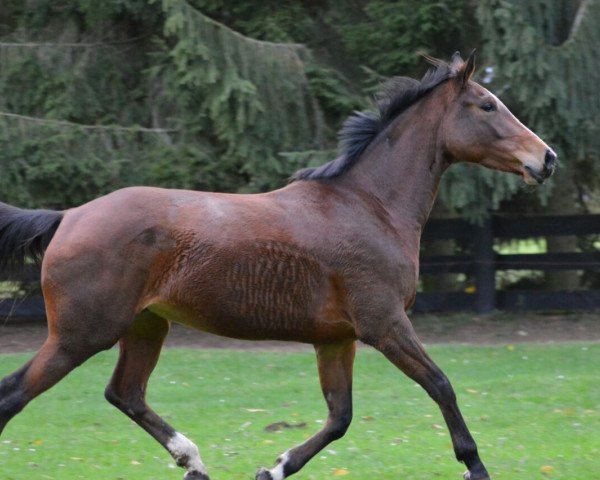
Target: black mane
{"type": "Point", "coordinates": [361, 128]}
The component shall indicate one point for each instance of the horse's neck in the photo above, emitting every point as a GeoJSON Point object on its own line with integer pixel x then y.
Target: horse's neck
{"type": "Point", "coordinates": [403, 169]}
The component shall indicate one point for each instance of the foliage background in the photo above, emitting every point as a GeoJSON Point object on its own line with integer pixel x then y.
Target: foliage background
{"type": "Point", "coordinates": [236, 95]}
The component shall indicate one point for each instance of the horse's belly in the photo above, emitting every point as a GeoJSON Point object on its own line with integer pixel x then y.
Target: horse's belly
{"type": "Point", "coordinates": [259, 323]}
{"type": "Point", "coordinates": [255, 290]}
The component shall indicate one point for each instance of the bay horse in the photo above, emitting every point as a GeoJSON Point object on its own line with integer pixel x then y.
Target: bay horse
{"type": "Point", "coordinates": [329, 259]}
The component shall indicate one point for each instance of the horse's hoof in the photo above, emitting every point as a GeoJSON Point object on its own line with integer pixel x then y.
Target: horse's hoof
{"type": "Point", "coordinates": [469, 476]}
{"type": "Point", "coordinates": [195, 476]}
{"type": "Point", "coordinates": [263, 474]}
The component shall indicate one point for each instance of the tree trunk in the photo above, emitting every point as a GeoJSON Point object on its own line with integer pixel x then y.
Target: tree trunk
{"type": "Point", "coordinates": [563, 201]}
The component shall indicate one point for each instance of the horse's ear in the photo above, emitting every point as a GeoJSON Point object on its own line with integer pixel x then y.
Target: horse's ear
{"type": "Point", "coordinates": [456, 62]}
{"type": "Point", "coordinates": [468, 69]}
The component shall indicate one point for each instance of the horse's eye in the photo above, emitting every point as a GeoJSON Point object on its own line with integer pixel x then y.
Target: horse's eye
{"type": "Point", "coordinates": [488, 107]}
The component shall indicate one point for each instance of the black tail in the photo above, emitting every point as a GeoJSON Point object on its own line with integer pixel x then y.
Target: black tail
{"type": "Point", "coordinates": [25, 234]}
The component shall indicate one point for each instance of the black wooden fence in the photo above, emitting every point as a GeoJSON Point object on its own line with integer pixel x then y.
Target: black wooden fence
{"type": "Point", "coordinates": [29, 306]}
{"type": "Point", "coordinates": [482, 264]}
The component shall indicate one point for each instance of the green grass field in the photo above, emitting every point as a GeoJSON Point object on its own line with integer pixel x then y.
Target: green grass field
{"type": "Point", "coordinates": [533, 409]}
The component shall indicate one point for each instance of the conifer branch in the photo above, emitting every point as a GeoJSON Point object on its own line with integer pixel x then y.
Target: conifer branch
{"type": "Point", "coordinates": [71, 45]}
{"type": "Point", "coordinates": [581, 12]}
{"type": "Point", "coordinates": [65, 123]}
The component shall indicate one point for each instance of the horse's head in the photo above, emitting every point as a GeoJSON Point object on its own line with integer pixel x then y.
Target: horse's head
{"type": "Point", "coordinates": [478, 128]}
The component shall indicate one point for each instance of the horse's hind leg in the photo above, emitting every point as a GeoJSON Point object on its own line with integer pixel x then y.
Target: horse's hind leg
{"type": "Point", "coordinates": [335, 372]}
{"type": "Point", "coordinates": [140, 349]}
{"type": "Point", "coordinates": [57, 357]}
{"type": "Point", "coordinates": [402, 347]}
{"type": "Point", "coordinates": [48, 366]}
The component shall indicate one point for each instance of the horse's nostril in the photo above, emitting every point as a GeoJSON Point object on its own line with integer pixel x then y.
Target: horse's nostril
{"type": "Point", "coordinates": [549, 159]}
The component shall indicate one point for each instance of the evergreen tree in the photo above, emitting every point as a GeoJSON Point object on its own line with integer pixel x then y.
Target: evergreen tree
{"type": "Point", "coordinates": [253, 96]}
{"type": "Point", "coordinates": [221, 110]}
{"type": "Point", "coordinates": [547, 61]}
{"type": "Point", "coordinates": [78, 79]}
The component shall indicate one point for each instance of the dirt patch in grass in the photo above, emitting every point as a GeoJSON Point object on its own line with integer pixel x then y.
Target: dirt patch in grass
{"type": "Point", "coordinates": [21, 335]}
{"type": "Point", "coordinates": [504, 328]}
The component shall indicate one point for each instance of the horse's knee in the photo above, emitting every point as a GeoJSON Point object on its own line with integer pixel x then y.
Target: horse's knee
{"type": "Point", "coordinates": [338, 425]}
{"type": "Point", "coordinates": [441, 390]}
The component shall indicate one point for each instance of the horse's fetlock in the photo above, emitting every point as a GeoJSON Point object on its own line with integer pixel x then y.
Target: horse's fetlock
{"type": "Point", "coordinates": [468, 454]}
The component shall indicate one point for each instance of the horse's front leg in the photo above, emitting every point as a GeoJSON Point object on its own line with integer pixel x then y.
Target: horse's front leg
{"type": "Point", "coordinates": [335, 373]}
{"type": "Point", "coordinates": [399, 343]}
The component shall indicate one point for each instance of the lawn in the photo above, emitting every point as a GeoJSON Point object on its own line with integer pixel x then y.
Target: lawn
{"type": "Point", "coordinates": [533, 409]}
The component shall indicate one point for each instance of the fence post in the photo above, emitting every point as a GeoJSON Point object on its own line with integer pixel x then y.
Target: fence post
{"type": "Point", "coordinates": [485, 269]}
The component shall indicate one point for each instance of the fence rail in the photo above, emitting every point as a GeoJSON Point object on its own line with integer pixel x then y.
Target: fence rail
{"type": "Point", "coordinates": [482, 264]}
{"type": "Point", "coordinates": [485, 262]}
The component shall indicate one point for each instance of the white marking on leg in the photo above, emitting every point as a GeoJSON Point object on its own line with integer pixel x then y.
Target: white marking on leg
{"type": "Point", "coordinates": [186, 452]}
{"type": "Point", "coordinates": [277, 471]}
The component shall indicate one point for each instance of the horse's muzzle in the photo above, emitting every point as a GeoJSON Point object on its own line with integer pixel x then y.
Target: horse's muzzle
{"type": "Point", "coordinates": [547, 169]}
{"type": "Point", "coordinates": [549, 163]}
